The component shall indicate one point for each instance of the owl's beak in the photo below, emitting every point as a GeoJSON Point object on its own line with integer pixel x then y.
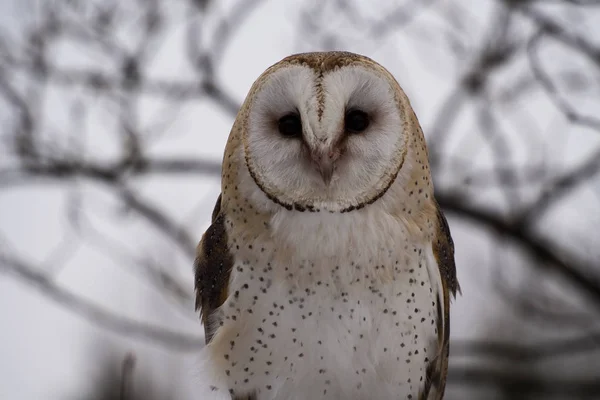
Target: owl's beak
{"type": "Point", "coordinates": [325, 162]}
{"type": "Point", "coordinates": [326, 168]}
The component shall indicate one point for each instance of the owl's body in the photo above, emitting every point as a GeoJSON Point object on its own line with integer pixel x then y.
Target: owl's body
{"type": "Point", "coordinates": [322, 277]}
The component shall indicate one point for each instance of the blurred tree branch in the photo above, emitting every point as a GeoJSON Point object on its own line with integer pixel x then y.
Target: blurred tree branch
{"type": "Point", "coordinates": [94, 313]}
{"type": "Point", "coordinates": [520, 384]}
{"type": "Point", "coordinates": [530, 352]}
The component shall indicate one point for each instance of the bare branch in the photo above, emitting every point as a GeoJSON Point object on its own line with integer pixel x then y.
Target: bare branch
{"type": "Point", "coordinates": [521, 383]}
{"type": "Point", "coordinates": [160, 221]}
{"type": "Point", "coordinates": [530, 352]}
{"type": "Point", "coordinates": [544, 79]}
{"type": "Point", "coordinates": [398, 18]}
{"type": "Point", "coordinates": [557, 31]}
{"type": "Point", "coordinates": [229, 26]}
{"type": "Point", "coordinates": [577, 273]}
{"type": "Point", "coordinates": [110, 173]}
{"type": "Point", "coordinates": [106, 319]}
{"type": "Point", "coordinates": [127, 367]}
{"type": "Point", "coordinates": [562, 186]}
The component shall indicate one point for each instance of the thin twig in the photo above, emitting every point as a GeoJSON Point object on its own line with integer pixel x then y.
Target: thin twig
{"type": "Point", "coordinates": [95, 314]}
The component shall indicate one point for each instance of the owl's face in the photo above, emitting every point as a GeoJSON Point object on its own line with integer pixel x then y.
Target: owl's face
{"type": "Point", "coordinates": [322, 136]}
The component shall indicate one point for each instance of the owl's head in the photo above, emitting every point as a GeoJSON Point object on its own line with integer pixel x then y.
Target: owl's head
{"type": "Point", "coordinates": [325, 131]}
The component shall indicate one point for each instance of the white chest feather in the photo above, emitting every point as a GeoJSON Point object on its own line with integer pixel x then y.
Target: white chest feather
{"type": "Point", "coordinates": [330, 308]}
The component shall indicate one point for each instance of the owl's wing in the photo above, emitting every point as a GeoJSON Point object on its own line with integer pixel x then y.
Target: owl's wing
{"type": "Point", "coordinates": [212, 269]}
{"type": "Point", "coordinates": [443, 250]}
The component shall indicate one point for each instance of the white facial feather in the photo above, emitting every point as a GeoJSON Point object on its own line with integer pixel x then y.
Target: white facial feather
{"type": "Point", "coordinates": [283, 165]}
{"type": "Point", "coordinates": [371, 154]}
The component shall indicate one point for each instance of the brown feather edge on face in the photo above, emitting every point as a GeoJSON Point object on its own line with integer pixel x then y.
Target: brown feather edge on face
{"type": "Point", "coordinates": [443, 250]}
{"type": "Point", "coordinates": [312, 208]}
{"type": "Point", "coordinates": [321, 63]}
{"type": "Point", "coordinates": [212, 269]}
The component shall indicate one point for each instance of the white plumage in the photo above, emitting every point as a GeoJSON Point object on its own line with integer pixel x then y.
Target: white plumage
{"type": "Point", "coordinates": [327, 270]}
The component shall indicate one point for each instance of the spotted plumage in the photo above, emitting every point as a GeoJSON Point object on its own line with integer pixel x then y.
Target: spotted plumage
{"type": "Point", "coordinates": [328, 268]}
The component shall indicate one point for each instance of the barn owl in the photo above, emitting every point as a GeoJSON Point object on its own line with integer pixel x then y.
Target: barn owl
{"type": "Point", "coordinates": [328, 269]}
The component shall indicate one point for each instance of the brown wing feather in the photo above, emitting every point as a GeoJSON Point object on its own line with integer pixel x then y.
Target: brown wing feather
{"type": "Point", "coordinates": [443, 250]}
{"type": "Point", "coordinates": [212, 269]}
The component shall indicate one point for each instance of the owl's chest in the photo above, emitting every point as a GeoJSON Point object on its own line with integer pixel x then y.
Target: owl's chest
{"type": "Point", "coordinates": [356, 327]}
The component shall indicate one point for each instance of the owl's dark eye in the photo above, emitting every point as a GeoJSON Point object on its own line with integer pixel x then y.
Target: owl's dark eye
{"type": "Point", "coordinates": [290, 125]}
{"type": "Point", "coordinates": [356, 121]}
